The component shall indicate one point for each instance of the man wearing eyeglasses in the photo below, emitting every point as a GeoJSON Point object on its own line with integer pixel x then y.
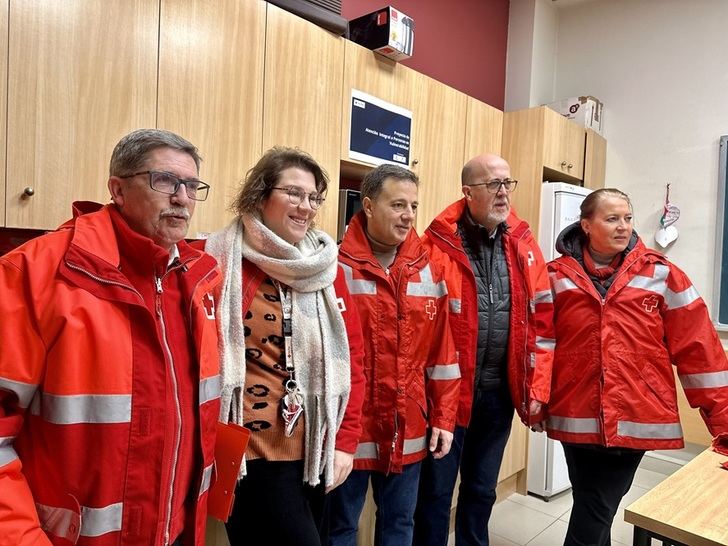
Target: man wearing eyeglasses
{"type": "Point", "coordinates": [501, 317]}
{"type": "Point", "coordinates": [109, 385]}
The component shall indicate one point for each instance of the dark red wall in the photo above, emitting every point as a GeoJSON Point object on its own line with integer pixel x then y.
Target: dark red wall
{"type": "Point", "coordinates": [461, 43]}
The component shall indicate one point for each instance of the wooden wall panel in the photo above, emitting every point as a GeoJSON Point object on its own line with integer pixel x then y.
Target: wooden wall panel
{"type": "Point", "coordinates": [82, 73]}
{"type": "Point", "coordinates": [4, 6]}
{"type": "Point", "coordinates": [304, 67]}
{"type": "Point", "coordinates": [211, 92]}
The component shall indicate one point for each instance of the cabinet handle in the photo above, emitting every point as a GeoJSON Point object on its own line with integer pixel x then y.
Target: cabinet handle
{"type": "Point", "coordinates": [570, 166]}
{"type": "Point", "coordinates": [563, 164]}
{"type": "Point", "coordinates": [415, 162]}
{"type": "Point", "coordinates": [28, 191]}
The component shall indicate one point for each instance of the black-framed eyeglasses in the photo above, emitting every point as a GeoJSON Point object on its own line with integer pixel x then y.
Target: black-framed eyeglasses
{"type": "Point", "coordinates": [494, 186]}
{"type": "Point", "coordinates": [296, 195]}
{"type": "Point", "coordinates": [168, 183]}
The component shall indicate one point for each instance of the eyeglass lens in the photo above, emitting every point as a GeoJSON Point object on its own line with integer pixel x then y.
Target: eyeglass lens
{"type": "Point", "coordinates": [168, 183]}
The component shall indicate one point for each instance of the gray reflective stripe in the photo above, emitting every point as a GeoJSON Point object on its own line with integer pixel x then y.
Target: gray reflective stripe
{"type": "Point", "coordinates": [86, 408]}
{"type": "Point", "coordinates": [658, 284]}
{"type": "Point", "coordinates": [58, 521]}
{"type": "Point", "coordinates": [443, 371]}
{"type": "Point", "coordinates": [24, 391]}
{"type": "Point", "coordinates": [367, 450]}
{"type": "Point", "coordinates": [561, 285]}
{"type": "Point", "coordinates": [709, 380]}
{"type": "Point", "coordinates": [94, 521]}
{"type": "Point", "coordinates": [544, 296]}
{"type": "Point", "coordinates": [532, 358]}
{"type": "Point", "coordinates": [7, 453]}
{"type": "Point", "coordinates": [580, 425]}
{"type": "Point", "coordinates": [455, 306]}
{"type": "Point", "coordinates": [359, 286]}
{"type": "Point", "coordinates": [657, 431]}
{"type": "Point", "coordinates": [206, 479]}
{"type": "Point", "coordinates": [414, 445]}
{"type": "Point", "coordinates": [546, 343]}
{"type": "Point", "coordinates": [676, 300]}
{"type": "Point", "coordinates": [210, 389]}
{"type": "Point", "coordinates": [426, 288]}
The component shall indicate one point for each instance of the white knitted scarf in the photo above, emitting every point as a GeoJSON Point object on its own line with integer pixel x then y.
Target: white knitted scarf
{"type": "Point", "coordinates": [319, 342]}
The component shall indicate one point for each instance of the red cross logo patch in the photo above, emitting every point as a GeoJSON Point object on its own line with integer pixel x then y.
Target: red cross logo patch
{"type": "Point", "coordinates": [431, 309]}
{"type": "Point", "coordinates": [209, 305]}
{"type": "Point", "coordinates": [650, 303]}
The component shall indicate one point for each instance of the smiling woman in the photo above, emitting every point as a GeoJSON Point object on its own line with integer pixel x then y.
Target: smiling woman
{"type": "Point", "coordinates": [623, 316]}
{"type": "Point", "coordinates": [291, 352]}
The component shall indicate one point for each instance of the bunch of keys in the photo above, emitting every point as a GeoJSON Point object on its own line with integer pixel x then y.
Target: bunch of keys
{"type": "Point", "coordinates": [291, 406]}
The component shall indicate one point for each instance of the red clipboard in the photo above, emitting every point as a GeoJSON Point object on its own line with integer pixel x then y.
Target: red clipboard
{"type": "Point", "coordinates": [230, 446]}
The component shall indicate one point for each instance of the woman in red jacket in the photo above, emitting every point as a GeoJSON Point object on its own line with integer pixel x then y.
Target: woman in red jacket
{"type": "Point", "coordinates": [624, 315]}
{"type": "Point", "coordinates": [291, 352]}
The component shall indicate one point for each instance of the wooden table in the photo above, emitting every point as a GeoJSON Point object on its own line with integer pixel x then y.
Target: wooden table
{"type": "Point", "coordinates": [690, 507]}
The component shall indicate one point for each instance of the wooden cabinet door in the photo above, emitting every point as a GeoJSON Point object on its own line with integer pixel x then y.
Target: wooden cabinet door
{"type": "Point", "coordinates": [3, 99]}
{"type": "Point", "coordinates": [436, 149]}
{"type": "Point", "coordinates": [81, 74]}
{"type": "Point", "coordinates": [563, 145]}
{"type": "Point", "coordinates": [375, 75]}
{"type": "Point", "coordinates": [211, 92]}
{"type": "Point", "coordinates": [595, 160]}
{"type": "Point", "coordinates": [304, 65]}
{"type": "Point", "coordinates": [483, 129]}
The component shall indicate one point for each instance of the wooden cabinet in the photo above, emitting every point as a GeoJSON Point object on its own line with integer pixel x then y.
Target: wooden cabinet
{"type": "Point", "coordinates": [438, 124]}
{"type": "Point", "coordinates": [541, 145]}
{"type": "Point", "coordinates": [81, 74]}
{"type": "Point", "coordinates": [211, 92]}
{"type": "Point", "coordinates": [563, 146]}
{"type": "Point", "coordinates": [302, 100]}
{"type": "Point", "coordinates": [595, 160]}
{"type": "Point", "coordinates": [438, 138]}
{"type": "Point", "coordinates": [3, 99]}
{"type": "Point", "coordinates": [483, 129]}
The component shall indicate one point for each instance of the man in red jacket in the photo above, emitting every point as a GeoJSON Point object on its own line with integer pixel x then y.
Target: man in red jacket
{"type": "Point", "coordinates": [109, 384]}
{"type": "Point", "coordinates": [501, 318]}
{"type": "Point", "coordinates": [410, 363]}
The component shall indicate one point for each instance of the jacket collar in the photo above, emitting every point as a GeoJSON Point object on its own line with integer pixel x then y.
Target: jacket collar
{"type": "Point", "coordinates": [446, 223]}
{"type": "Point", "coordinates": [356, 244]}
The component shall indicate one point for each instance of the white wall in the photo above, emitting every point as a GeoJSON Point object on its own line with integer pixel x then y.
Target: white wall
{"type": "Point", "coordinates": [661, 69]}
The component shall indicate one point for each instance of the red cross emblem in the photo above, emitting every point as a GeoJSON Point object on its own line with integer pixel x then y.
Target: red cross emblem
{"type": "Point", "coordinates": [650, 303]}
{"type": "Point", "coordinates": [431, 309]}
{"type": "Point", "coordinates": [209, 304]}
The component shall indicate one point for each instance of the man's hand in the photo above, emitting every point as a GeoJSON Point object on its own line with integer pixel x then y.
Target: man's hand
{"type": "Point", "coordinates": [440, 442]}
{"type": "Point", "coordinates": [343, 463]}
{"type": "Point", "coordinates": [535, 409]}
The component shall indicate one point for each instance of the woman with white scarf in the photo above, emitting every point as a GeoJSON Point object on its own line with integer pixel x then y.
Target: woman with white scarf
{"type": "Point", "coordinates": [291, 352]}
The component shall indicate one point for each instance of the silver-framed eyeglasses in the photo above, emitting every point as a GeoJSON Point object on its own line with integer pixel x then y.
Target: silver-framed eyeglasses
{"type": "Point", "coordinates": [494, 185]}
{"type": "Point", "coordinates": [296, 195]}
{"type": "Point", "coordinates": [165, 182]}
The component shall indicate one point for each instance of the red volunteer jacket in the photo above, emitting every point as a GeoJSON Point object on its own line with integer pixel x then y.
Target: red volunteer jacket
{"type": "Point", "coordinates": [531, 343]}
{"type": "Point", "coordinates": [84, 378]}
{"type": "Point", "coordinates": [411, 372]}
{"type": "Point", "coordinates": [347, 436]}
{"type": "Point", "coordinates": [613, 381]}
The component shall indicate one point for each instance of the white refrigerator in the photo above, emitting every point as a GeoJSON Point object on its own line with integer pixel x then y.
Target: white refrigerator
{"type": "Point", "coordinates": [547, 472]}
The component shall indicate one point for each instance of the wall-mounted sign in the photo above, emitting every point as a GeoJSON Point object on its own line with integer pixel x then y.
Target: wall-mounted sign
{"type": "Point", "coordinates": [380, 131]}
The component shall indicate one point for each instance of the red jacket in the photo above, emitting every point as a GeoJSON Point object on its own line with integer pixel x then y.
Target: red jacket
{"type": "Point", "coordinates": [411, 372]}
{"type": "Point", "coordinates": [530, 343]}
{"type": "Point", "coordinates": [84, 391]}
{"type": "Point", "coordinates": [613, 382]}
{"type": "Point", "coordinates": [350, 429]}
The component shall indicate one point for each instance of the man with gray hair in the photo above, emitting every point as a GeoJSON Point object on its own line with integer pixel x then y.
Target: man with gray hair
{"type": "Point", "coordinates": [410, 363]}
{"type": "Point", "coordinates": [109, 385]}
{"type": "Point", "coordinates": [502, 313]}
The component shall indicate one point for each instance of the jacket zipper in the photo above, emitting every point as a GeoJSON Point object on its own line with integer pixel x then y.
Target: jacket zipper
{"type": "Point", "coordinates": [178, 431]}
{"type": "Point", "coordinates": [104, 281]}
